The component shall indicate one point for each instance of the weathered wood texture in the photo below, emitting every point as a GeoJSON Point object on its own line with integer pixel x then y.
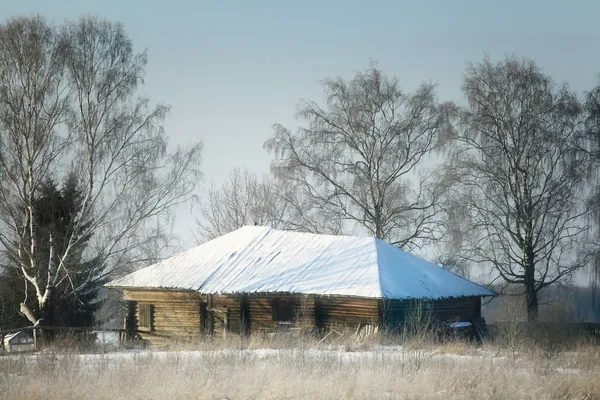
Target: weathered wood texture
{"type": "Point", "coordinates": [189, 315]}
{"type": "Point", "coordinates": [151, 296]}
{"type": "Point", "coordinates": [232, 305]}
{"type": "Point", "coordinates": [260, 311]}
{"type": "Point", "coordinates": [396, 312]}
{"type": "Point", "coordinates": [175, 315]}
{"type": "Point", "coordinates": [341, 312]}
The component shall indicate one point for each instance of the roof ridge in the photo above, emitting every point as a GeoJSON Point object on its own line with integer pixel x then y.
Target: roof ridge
{"type": "Point", "coordinates": [378, 265]}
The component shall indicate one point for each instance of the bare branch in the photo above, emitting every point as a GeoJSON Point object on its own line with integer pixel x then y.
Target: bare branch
{"type": "Point", "coordinates": [522, 172]}
{"type": "Point", "coordinates": [361, 158]}
{"type": "Point", "coordinates": [69, 108]}
{"type": "Point", "coordinates": [244, 199]}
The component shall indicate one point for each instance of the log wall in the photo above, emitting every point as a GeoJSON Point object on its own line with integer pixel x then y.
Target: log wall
{"type": "Point", "coordinates": [396, 312]}
{"type": "Point", "coordinates": [175, 316]}
{"type": "Point", "coordinates": [184, 315]}
{"type": "Point", "coordinates": [232, 304]}
{"type": "Point", "coordinates": [346, 311]}
{"type": "Point", "coordinates": [260, 311]}
{"type": "Point", "coordinates": [187, 316]}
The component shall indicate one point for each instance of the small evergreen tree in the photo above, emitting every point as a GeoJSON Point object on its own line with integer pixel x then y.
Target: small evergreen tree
{"type": "Point", "coordinates": [56, 210]}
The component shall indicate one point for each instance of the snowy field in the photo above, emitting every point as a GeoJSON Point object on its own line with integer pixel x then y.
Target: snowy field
{"type": "Point", "coordinates": [304, 372]}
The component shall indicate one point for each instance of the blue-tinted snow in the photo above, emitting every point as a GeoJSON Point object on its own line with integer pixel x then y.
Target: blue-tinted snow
{"type": "Point", "coordinates": [257, 259]}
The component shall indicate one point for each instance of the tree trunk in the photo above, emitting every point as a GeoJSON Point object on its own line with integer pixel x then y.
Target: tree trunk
{"type": "Point", "coordinates": [532, 305]}
{"type": "Point", "coordinates": [531, 299]}
{"type": "Point", "coordinates": [43, 320]}
{"type": "Point", "coordinates": [46, 320]}
{"type": "Point", "coordinates": [26, 311]}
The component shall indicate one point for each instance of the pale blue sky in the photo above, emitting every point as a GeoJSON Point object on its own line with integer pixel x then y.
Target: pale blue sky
{"type": "Point", "coordinates": [230, 69]}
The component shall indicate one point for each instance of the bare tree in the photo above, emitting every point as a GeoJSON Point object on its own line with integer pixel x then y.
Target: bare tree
{"type": "Point", "coordinates": [68, 106]}
{"type": "Point", "coordinates": [518, 155]}
{"type": "Point", "coordinates": [245, 199]}
{"type": "Point", "coordinates": [304, 214]}
{"type": "Point", "coordinates": [592, 109]}
{"type": "Point", "coordinates": [455, 264]}
{"type": "Point", "coordinates": [361, 159]}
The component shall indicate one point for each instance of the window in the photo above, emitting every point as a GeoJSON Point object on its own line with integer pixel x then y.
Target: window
{"type": "Point", "coordinates": [145, 312]}
{"type": "Point", "coordinates": [282, 310]}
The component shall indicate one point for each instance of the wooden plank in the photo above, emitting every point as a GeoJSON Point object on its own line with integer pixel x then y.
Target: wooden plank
{"type": "Point", "coordinates": [395, 312]}
{"type": "Point", "coordinates": [335, 311]}
{"type": "Point", "coordinates": [157, 296]}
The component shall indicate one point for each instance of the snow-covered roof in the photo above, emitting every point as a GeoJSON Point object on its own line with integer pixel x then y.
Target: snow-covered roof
{"type": "Point", "coordinates": [256, 259]}
{"type": "Point", "coordinates": [10, 336]}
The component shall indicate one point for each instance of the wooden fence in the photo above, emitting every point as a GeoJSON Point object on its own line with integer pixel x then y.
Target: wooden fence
{"type": "Point", "coordinates": [85, 333]}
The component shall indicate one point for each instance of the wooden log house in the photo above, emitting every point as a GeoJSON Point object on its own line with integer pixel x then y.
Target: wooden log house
{"type": "Point", "coordinates": [257, 279]}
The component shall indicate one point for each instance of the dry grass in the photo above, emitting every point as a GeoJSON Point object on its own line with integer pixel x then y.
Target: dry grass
{"type": "Point", "coordinates": [300, 368]}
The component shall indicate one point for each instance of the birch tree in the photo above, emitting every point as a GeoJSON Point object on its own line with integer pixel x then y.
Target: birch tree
{"type": "Point", "coordinates": [519, 156]}
{"type": "Point", "coordinates": [245, 199]}
{"type": "Point", "coordinates": [592, 109]}
{"type": "Point", "coordinates": [361, 157]}
{"type": "Point", "coordinates": [69, 106]}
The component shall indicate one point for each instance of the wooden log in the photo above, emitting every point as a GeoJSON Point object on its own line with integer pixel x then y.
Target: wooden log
{"type": "Point", "coordinates": [157, 296]}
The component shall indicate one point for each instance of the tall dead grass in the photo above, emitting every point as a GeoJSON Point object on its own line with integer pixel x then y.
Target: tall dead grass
{"type": "Point", "coordinates": [302, 369]}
